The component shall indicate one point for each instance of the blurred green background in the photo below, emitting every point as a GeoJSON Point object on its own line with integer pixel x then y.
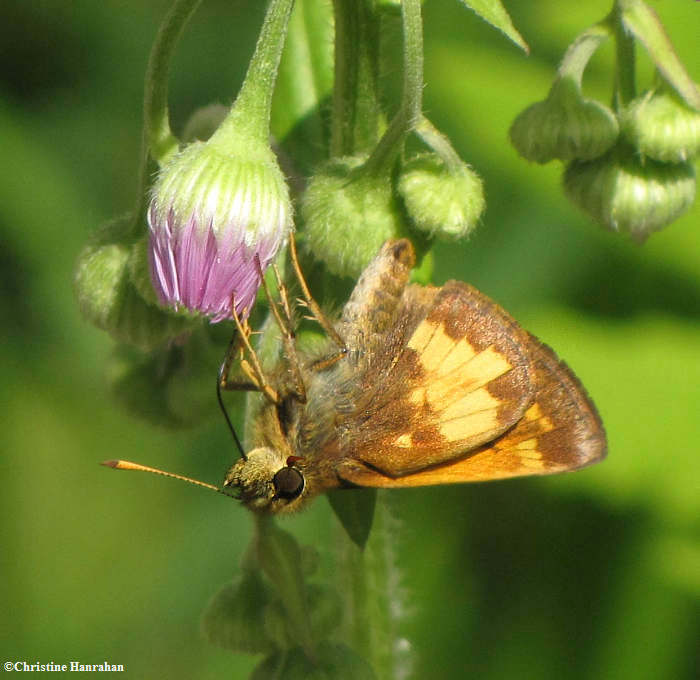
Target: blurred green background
{"type": "Point", "coordinates": [590, 575]}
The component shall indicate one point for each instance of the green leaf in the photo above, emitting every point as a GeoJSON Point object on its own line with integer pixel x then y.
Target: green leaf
{"type": "Point", "coordinates": [495, 14]}
{"type": "Point", "coordinates": [645, 26]}
{"type": "Point", "coordinates": [234, 619]}
{"type": "Point", "coordinates": [355, 510]}
{"type": "Point", "coordinates": [280, 557]}
{"type": "Point", "coordinates": [333, 661]}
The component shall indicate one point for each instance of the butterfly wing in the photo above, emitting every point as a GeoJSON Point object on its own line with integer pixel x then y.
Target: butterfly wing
{"type": "Point", "coordinates": [453, 373]}
{"type": "Point", "coordinates": [560, 431]}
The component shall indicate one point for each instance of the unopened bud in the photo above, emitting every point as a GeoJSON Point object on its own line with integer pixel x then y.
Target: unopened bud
{"type": "Point", "coordinates": [624, 194]}
{"type": "Point", "coordinates": [108, 297]}
{"type": "Point", "coordinates": [440, 200]}
{"type": "Point", "coordinates": [662, 127]}
{"type": "Point", "coordinates": [565, 126]}
{"type": "Point", "coordinates": [348, 215]}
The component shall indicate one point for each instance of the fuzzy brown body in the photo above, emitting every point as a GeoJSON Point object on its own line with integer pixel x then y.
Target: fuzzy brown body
{"type": "Point", "coordinates": [436, 385]}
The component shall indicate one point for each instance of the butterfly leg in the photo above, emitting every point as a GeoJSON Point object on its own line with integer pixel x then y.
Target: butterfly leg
{"type": "Point", "coordinates": [318, 315]}
{"type": "Point", "coordinates": [227, 381]}
{"type": "Point", "coordinates": [252, 369]}
{"type": "Point", "coordinates": [286, 326]}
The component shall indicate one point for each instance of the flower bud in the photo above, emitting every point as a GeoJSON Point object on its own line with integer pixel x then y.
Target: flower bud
{"type": "Point", "coordinates": [565, 126]}
{"type": "Point", "coordinates": [220, 212]}
{"type": "Point", "coordinates": [108, 297]}
{"type": "Point", "coordinates": [623, 194]}
{"type": "Point", "coordinates": [348, 215]}
{"type": "Point", "coordinates": [662, 127]}
{"type": "Point", "coordinates": [440, 200]}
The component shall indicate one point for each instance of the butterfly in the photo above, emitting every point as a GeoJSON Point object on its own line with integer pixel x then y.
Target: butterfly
{"type": "Point", "coordinates": [413, 386]}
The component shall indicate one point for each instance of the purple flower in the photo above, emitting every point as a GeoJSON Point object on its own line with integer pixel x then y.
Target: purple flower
{"type": "Point", "coordinates": [216, 222]}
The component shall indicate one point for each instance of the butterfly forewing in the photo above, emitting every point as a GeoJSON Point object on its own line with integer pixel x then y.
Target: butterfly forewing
{"type": "Point", "coordinates": [460, 376]}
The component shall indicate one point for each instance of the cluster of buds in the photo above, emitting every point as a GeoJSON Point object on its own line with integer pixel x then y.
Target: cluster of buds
{"type": "Point", "coordinates": [219, 212]}
{"type": "Point", "coordinates": [196, 248]}
{"type": "Point", "coordinates": [355, 201]}
{"type": "Point", "coordinates": [630, 168]}
{"type": "Point", "coordinates": [349, 211]}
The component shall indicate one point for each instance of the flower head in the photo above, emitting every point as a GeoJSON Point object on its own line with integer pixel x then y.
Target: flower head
{"type": "Point", "coordinates": [217, 220]}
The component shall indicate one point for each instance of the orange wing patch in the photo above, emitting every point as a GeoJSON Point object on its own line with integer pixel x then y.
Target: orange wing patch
{"type": "Point", "coordinates": [455, 376]}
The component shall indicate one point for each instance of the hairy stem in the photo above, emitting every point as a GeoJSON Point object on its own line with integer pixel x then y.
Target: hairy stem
{"type": "Point", "coordinates": [355, 112]}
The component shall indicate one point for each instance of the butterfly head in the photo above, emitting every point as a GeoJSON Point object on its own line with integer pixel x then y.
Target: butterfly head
{"type": "Point", "coordinates": [268, 481]}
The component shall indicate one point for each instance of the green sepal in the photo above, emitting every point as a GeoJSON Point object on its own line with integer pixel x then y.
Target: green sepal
{"type": "Point", "coordinates": [355, 511]}
{"type": "Point", "coordinates": [229, 183]}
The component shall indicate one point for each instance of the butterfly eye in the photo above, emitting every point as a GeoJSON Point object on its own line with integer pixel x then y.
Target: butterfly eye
{"type": "Point", "coordinates": [289, 483]}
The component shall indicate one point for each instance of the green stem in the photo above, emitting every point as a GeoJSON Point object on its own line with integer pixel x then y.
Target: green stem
{"type": "Point", "coordinates": [581, 50]}
{"type": "Point", "coordinates": [157, 141]}
{"type": "Point", "coordinates": [373, 603]}
{"type": "Point", "coordinates": [304, 81]}
{"type": "Point", "coordinates": [162, 143]}
{"type": "Point", "coordinates": [391, 144]}
{"type": "Point", "coordinates": [250, 113]}
{"type": "Point", "coordinates": [355, 114]}
{"type": "Point", "coordinates": [625, 87]}
{"type": "Point", "coordinates": [439, 144]}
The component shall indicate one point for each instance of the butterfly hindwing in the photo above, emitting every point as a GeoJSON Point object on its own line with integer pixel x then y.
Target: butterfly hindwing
{"type": "Point", "coordinates": [560, 431]}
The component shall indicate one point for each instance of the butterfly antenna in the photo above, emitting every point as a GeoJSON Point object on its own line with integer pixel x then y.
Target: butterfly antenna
{"type": "Point", "coordinates": [219, 379]}
{"type": "Point", "coordinates": [128, 465]}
